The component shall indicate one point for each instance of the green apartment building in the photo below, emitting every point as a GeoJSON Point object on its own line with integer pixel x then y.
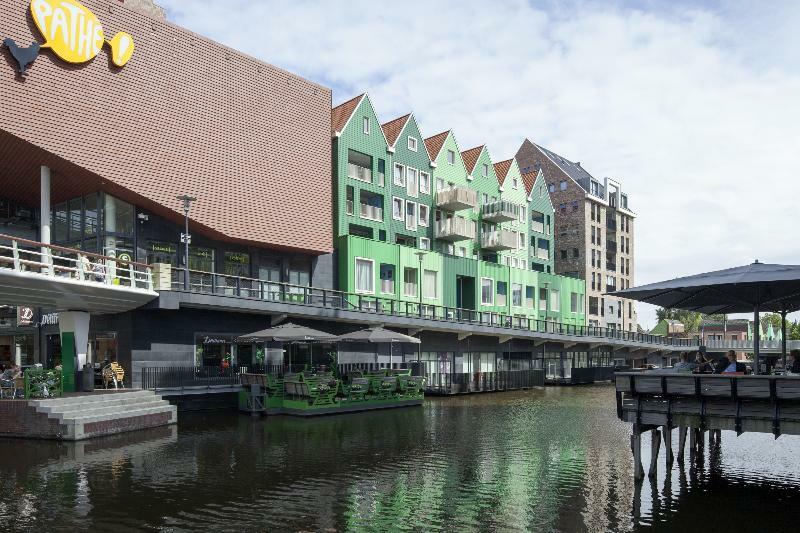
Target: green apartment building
{"type": "Point", "coordinates": [427, 228]}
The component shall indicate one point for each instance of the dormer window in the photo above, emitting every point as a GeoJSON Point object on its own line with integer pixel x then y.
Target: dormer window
{"type": "Point", "coordinates": [366, 125]}
{"type": "Point", "coordinates": [412, 143]}
{"type": "Point", "coordinates": [451, 157]}
{"type": "Point", "coordinates": [485, 170]}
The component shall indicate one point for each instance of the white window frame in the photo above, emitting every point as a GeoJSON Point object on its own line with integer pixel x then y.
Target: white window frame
{"type": "Point", "coordinates": [416, 215]}
{"type": "Point", "coordinates": [402, 209]}
{"type": "Point", "coordinates": [427, 242]}
{"type": "Point", "coordinates": [365, 125]}
{"type": "Point", "coordinates": [485, 170]}
{"type": "Point", "coordinates": [412, 189]}
{"type": "Point", "coordinates": [521, 294]}
{"type": "Point", "coordinates": [372, 279]}
{"type": "Point", "coordinates": [416, 282]}
{"type": "Point", "coordinates": [491, 291]}
{"type": "Point", "coordinates": [523, 214]}
{"type": "Point", "coordinates": [514, 183]}
{"type": "Point", "coordinates": [413, 141]}
{"type": "Point", "coordinates": [438, 182]}
{"type": "Point", "coordinates": [555, 300]}
{"type": "Point", "coordinates": [451, 154]}
{"type": "Point", "coordinates": [435, 285]}
{"type": "Point", "coordinates": [427, 189]}
{"type": "Point", "coordinates": [402, 182]}
{"type": "Point", "coordinates": [423, 220]}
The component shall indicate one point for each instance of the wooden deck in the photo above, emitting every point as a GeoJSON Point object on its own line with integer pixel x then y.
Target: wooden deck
{"type": "Point", "coordinates": [704, 402]}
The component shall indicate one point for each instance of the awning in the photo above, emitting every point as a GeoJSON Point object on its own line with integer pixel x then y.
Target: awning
{"type": "Point", "coordinates": [288, 333]}
{"type": "Point", "coordinates": [377, 335]}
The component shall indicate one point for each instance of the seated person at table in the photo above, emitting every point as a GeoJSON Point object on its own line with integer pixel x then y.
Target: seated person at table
{"type": "Point", "coordinates": [793, 364]}
{"type": "Point", "coordinates": [684, 365]}
{"type": "Point", "coordinates": [729, 364]}
{"type": "Point", "coordinates": [702, 364]}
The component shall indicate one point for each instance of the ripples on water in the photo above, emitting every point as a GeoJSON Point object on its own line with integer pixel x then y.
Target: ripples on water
{"type": "Point", "coordinates": [547, 460]}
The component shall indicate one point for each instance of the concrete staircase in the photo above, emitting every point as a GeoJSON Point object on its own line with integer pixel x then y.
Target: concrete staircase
{"type": "Point", "coordinates": [97, 414]}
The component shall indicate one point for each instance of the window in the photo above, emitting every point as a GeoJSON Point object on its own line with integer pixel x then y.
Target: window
{"type": "Point", "coordinates": [593, 235]}
{"type": "Point", "coordinates": [630, 310]}
{"type": "Point", "coordinates": [516, 294]}
{"type": "Point", "coordinates": [602, 307]}
{"type": "Point", "coordinates": [593, 275]}
{"type": "Point", "coordinates": [551, 187]}
{"type": "Point", "coordinates": [543, 249]}
{"type": "Point", "coordinates": [359, 166]}
{"type": "Point", "coordinates": [623, 200]}
{"type": "Point", "coordinates": [523, 213]}
{"type": "Point", "coordinates": [381, 172]}
{"type": "Point", "coordinates": [487, 291]}
{"type": "Point", "coordinates": [462, 251]}
{"type": "Point", "coordinates": [451, 157]}
{"type": "Point", "coordinates": [576, 253]}
{"type": "Point", "coordinates": [562, 208]}
{"type": "Point", "coordinates": [537, 221]}
{"type": "Point", "coordinates": [575, 205]}
{"type": "Point", "coordinates": [514, 183]}
{"type": "Point", "coordinates": [429, 285]}
{"type": "Point", "coordinates": [349, 201]}
{"type": "Point", "coordinates": [424, 183]}
{"type": "Point", "coordinates": [397, 208]}
{"type": "Point", "coordinates": [411, 215]}
{"type": "Point", "coordinates": [366, 125]}
{"type": "Point", "coordinates": [409, 281]}
{"type": "Point", "coordinates": [521, 240]}
{"type": "Point", "coordinates": [399, 175]}
{"type": "Point", "coordinates": [563, 254]}
{"type": "Point", "coordinates": [448, 248]}
{"type": "Point", "coordinates": [236, 264]}
{"type": "Point", "coordinates": [364, 275]}
{"type": "Point", "coordinates": [424, 213]}
{"type": "Point", "coordinates": [563, 185]}
{"type": "Point", "coordinates": [424, 243]}
{"type": "Point", "coordinates": [529, 296]}
{"type": "Point", "coordinates": [485, 170]}
{"type": "Point", "coordinates": [382, 235]}
{"type": "Point", "coordinates": [502, 290]}
{"type": "Point", "coordinates": [541, 191]}
{"type": "Point", "coordinates": [412, 143]}
{"type": "Point", "coordinates": [387, 279]}
{"type": "Point", "coordinates": [485, 199]}
{"type": "Point", "coordinates": [575, 303]}
{"type": "Point", "coordinates": [118, 216]}
{"type": "Point", "coordinates": [90, 215]}
{"type": "Point", "coordinates": [439, 184]}
{"type": "Point", "coordinates": [555, 300]}
{"type": "Point", "coordinates": [594, 189]}
{"type": "Point", "coordinates": [412, 187]}
{"type": "Point", "coordinates": [593, 305]}
{"type": "Point", "coordinates": [542, 299]}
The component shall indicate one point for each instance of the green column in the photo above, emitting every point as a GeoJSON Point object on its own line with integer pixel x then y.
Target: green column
{"type": "Point", "coordinates": [68, 357]}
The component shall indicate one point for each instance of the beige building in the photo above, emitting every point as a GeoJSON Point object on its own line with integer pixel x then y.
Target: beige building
{"type": "Point", "coordinates": [594, 236]}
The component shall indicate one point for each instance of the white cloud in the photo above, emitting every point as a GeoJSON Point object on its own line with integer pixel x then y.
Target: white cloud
{"type": "Point", "coordinates": [695, 111]}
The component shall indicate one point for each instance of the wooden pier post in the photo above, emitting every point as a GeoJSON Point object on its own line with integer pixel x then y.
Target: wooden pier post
{"type": "Point", "coordinates": [655, 444]}
{"type": "Point", "coordinates": [636, 447]}
{"type": "Point", "coordinates": [666, 433]}
{"type": "Point", "coordinates": [692, 442]}
{"type": "Point", "coordinates": [681, 441]}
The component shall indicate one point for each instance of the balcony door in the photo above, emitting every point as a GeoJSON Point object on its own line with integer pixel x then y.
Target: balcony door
{"type": "Point", "coordinates": [465, 292]}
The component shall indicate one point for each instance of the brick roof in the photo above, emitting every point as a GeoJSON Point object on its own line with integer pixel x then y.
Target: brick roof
{"type": "Point", "coordinates": [471, 157]}
{"type": "Point", "coordinates": [393, 128]}
{"type": "Point", "coordinates": [342, 113]}
{"type": "Point", "coordinates": [529, 178]}
{"type": "Point", "coordinates": [434, 144]}
{"type": "Point", "coordinates": [501, 169]}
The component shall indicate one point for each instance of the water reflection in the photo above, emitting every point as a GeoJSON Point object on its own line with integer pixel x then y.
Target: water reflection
{"type": "Point", "coordinates": [549, 460]}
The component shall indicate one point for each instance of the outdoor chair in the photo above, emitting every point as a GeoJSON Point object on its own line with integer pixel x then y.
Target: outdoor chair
{"type": "Point", "coordinates": [115, 374]}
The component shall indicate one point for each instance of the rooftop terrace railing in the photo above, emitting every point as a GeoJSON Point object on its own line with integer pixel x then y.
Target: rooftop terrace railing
{"type": "Point", "coordinates": [26, 256]}
{"type": "Point", "coordinates": [270, 291]}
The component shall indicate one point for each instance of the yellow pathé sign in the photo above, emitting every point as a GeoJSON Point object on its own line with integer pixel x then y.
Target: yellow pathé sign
{"type": "Point", "coordinates": [75, 34]}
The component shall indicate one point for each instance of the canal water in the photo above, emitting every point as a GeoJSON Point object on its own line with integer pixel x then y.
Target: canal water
{"type": "Point", "coordinates": [555, 459]}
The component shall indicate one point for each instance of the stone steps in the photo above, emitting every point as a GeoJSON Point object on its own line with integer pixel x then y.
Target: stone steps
{"type": "Point", "coordinates": [77, 412]}
{"type": "Point", "coordinates": [92, 398]}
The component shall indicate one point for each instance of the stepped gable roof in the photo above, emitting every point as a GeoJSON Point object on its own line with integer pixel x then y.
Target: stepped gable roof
{"type": "Point", "coordinates": [393, 128]}
{"type": "Point", "coordinates": [471, 157]}
{"type": "Point", "coordinates": [572, 169]}
{"type": "Point", "coordinates": [501, 169]}
{"type": "Point", "coordinates": [342, 113]}
{"type": "Point", "coordinates": [529, 178]}
{"type": "Point", "coordinates": [434, 144]}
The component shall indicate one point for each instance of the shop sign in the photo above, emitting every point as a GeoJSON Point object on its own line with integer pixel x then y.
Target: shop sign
{"type": "Point", "coordinates": [24, 316]}
{"type": "Point", "coordinates": [162, 247]}
{"type": "Point", "coordinates": [49, 319]}
{"type": "Point", "coordinates": [124, 257]}
{"type": "Point", "coordinates": [215, 340]}
{"type": "Point", "coordinates": [234, 257]}
{"type": "Point", "coordinates": [72, 32]}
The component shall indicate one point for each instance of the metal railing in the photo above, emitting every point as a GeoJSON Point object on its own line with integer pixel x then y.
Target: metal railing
{"type": "Point", "coordinates": [464, 382]}
{"type": "Point", "coordinates": [500, 211]}
{"type": "Point", "coordinates": [499, 240]}
{"type": "Point", "coordinates": [359, 173]}
{"type": "Point", "coordinates": [746, 345]}
{"type": "Point", "coordinates": [32, 257]}
{"type": "Point", "coordinates": [454, 229]}
{"type": "Point", "coordinates": [371, 212]}
{"type": "Point", "coordinates": [209, 283]}
{"type": "Point", "coordinates": [457, 198]}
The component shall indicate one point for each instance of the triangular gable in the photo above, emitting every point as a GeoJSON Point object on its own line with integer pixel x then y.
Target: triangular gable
{"type": "Point", "coordinates": [501, 169]}
{"type": "Point", "coordinates": [340, 115]}
{"type": "Point", "coordinates": [350, 112]}
{"type": "Point", "coordinates": [394, 128]}
{"type": "Point", "coordinates": [409, 119]}
{"type": "Point", "coordinates": [434, 144]}
{"type": "Point", "coordinates": [471, 157]}
{"type": "Point", "coordinates": [538, 181]}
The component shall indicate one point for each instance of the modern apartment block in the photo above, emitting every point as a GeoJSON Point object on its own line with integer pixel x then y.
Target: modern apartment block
{"type": "Point", "coordinates": [593, 231]}
{"type": "Point", "coordinates": [420, 223]}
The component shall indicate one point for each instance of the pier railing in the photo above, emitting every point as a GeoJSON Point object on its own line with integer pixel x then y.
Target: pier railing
{"type": "Point", "coordinates": [271, 291]}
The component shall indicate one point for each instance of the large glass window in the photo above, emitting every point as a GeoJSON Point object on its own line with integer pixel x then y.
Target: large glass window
{"type": "Point", "coordinates": [365, 277]}
{"type": "Point", "coordinates": [516, 294]}
{"type": "Point", "coordinates": [118, 216]}
{"type": "Point", "coordinates": [555, 300]}
{"type": "Point", "coordinates": [201, 259]}
{"type": "Point", "coordinates": [502, 290]}
{"type": "Point", "coordinates": [487, 291]}
{"type": "Point", "coordinates": [75, 229]}
{"type": "Point", "coordinates": [90, 215]}
{"type": "Point", "coordinates": [60, 223]}
{"type": "Point", "coordinates": [542, 299]}
{"type": "Point", "coordinates": [237, 264]}
{"type": "Point", "coordinates": [162, 252]}
{"type": "Point", "coordinates": [300, 272]}
{"type": "Point", "coordinates": [409, 281]}
{"type": "Point", "coordinates": [387, 279]}
{"type": "Point", "coordinates": [429, 284]}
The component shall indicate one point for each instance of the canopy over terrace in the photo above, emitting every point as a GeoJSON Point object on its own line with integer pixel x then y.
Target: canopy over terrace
{"type": "Point", "coordinates": [378, 335]}
{"type": "Point", "coordinates": [751, 288]}
{"type": "Point", "coordinates": [289, 333]}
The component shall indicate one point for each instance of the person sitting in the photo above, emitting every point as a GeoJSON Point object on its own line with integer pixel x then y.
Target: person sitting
{"type": "Point", "coordinates": [684, 365]}
{"type": "Point", "coordinates": [728, 364]}
{"type": "Point", "coordinates": [794, 366]}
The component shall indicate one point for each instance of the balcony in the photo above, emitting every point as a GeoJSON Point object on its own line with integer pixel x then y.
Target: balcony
{"type": "Point", "coordinates": [454, 229]}
{"type": "Point", "coordinates": [457, 198]}
{"type": "Point", "coordinates": [359, 173]}
{"type": "Point", "coordinates": [543, 253]}
{"type": "Point", "coordinates": [500, 211]}
{"type": "Point", "coordinates": [499, 240]}
{"type": "Point", "coordinates": [370, 212]}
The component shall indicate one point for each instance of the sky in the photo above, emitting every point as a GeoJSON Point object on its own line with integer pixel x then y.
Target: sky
{"type": "Point", "coordinates": [693, 106]}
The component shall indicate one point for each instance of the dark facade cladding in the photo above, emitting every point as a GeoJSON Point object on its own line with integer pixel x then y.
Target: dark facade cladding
{"type": "Point", "coordinates": [184, 116]}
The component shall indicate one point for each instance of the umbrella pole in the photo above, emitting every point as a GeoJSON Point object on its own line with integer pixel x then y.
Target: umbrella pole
{"type": "Point", "coordinates": [756, 340]}
{"type": "Point", "coordinates": [783, 334]}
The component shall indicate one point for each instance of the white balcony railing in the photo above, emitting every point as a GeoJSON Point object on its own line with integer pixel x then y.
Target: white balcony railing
{"type": "Point", "coordinates": [499, 240]}
{"type": "Point", "coordinates": [454, 229]}
{"type": "Point", "coordinates": [359, 173]}
{"type": "Point", "coordinates": [541, 253]}
{"type": "Point", "coordinates": [371, 212]}
{"type": "Point", "coordinates": [500, 211]}
{"type": "Point", "coordinates": [457, 198]}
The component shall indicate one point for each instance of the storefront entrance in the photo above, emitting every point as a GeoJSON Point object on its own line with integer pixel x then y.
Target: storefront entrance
{"type": "Point", "coordinates": [213, 349]}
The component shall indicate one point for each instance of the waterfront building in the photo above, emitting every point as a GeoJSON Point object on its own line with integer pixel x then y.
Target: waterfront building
{"type": "Point", "coordinates": [540, 224]}
{"type": "Point", "coordinates": [594, 233]}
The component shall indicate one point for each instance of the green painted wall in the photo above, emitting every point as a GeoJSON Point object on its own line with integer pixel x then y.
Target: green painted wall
{"type": "Point", "coordinates": [517, 195]}
{"type": "Point", "coordinates": [540, 202]}
{"type": "Point", "coordinates": [456, 174]}
{"type": "Point", "coordinates": [488, 190]}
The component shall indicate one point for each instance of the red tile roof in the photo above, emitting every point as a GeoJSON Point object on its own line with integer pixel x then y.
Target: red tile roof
{"type": "Point", "coordinates": [393, 128]}
{"type": "Point", "coordinates": [471, 157]}
{"type": "Point", "coordinates": [342, 112]}
{"type": "Point", "coordinates": [529, 178]}
{"type": "Point", "coordinates": [434, 144]}
{"type": "Point", "coordinates": [501, 169]}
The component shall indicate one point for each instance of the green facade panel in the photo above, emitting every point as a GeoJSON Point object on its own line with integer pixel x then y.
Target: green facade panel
{"type": "Point", "coordinates": [540, 226]}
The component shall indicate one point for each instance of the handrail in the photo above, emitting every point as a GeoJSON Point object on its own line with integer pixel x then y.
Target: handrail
{"type": "Point", "coordinates": [38, 244]}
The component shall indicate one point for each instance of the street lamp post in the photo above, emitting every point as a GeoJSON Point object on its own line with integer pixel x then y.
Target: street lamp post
{"type": "Point", "coordinates": [187, 200]}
